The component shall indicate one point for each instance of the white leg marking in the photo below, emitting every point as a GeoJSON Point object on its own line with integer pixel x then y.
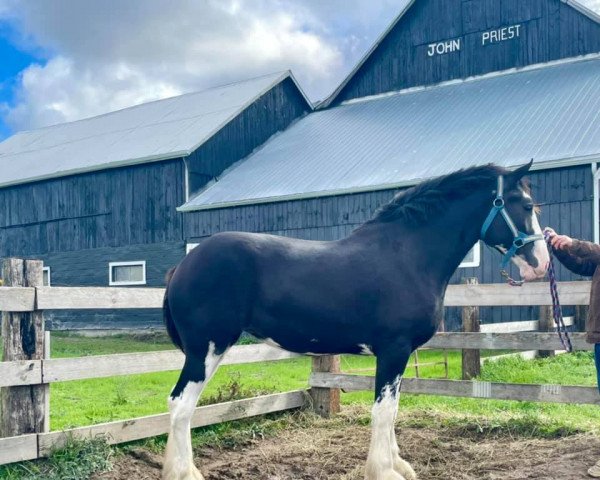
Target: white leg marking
{"type": "Point", "coordinates": [272, 343]}
{"type": "Point", "coordinates": [381, 462]}
{"type": "Point", "coordinates": [179, 460]}
{"type": "Point", "coordinates": [400, 465]}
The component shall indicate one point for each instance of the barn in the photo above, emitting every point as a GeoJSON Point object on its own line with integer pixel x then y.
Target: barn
{"type": "Point", "coordinates": [451, 83]}
{"type": "Point", "coordinates": [96, 199]}
{"type": "Point", "coordinates": [117, 199]}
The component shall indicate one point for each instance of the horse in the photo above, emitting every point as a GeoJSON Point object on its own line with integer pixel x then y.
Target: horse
{"type": "Point", "coordinates": [378, 291]}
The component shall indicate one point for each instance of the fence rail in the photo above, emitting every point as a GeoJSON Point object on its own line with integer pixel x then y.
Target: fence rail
{"type": "Point", "coordinates": [30, 300]}
{"type": "Point", "coordinates": [466, 388]}
{"type": "Point", "coordinates": [35, 372]}
{"type": "Point", "coordinates": [81, 298]}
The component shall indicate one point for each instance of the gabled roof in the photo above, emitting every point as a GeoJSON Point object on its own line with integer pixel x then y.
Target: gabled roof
{"type": "Point", "coordinates": [550, 113]}
{"type": "Point", "coordinates": [405, 5]}
{"type": "Point", "coordinates": [159, 130]}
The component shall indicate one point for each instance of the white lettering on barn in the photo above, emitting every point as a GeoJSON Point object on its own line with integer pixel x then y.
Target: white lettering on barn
{"type": "Point", "coordinates": [500, 34]}
{"type": "Point", "coordinates": [441, 48]}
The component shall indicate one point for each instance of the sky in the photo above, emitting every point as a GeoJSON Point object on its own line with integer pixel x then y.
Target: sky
{"type": "Point", "coordinates": [63, 60]}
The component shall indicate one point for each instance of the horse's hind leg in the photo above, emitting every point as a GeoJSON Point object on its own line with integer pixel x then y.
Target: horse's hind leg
{"type": "Point", "coordinates": [197, 370]}
{"type": "Point", "coordinates": [384, 462]}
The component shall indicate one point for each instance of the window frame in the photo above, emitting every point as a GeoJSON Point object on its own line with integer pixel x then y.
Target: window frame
{"type": "Point", "coordinates": [138, 263]}
{"type": "Point", "coordinates": [190, 246]}
{"type": "Point", "coordinates": [476, 262]}
{"type": "Point", "coordinates": [49, 270]}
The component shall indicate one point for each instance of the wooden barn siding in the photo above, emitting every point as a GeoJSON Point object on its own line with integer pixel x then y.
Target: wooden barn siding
{"type": "Point", "coordinates": [111, 208]}
{"type": "Point", "coordinates": [271, 113]}
{"type": "Point", "coordinates": [90, 268]}
{"type": "Point", "coordinates": [550, 30]}
{"type": "Point", "coordinates": [567, 195]}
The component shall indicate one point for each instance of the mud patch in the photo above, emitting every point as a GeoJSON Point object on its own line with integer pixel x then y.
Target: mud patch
{"type": "Point", "coordinates": [338, 450]}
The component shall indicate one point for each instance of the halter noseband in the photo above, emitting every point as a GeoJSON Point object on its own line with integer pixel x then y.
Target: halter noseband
{"type": "Point", "coordinates": [520, 239]}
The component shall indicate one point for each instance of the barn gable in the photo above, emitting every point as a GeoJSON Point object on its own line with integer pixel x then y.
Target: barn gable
{"type": "Point", "coordinates": [432, 41]}
{"type": "Point", "coordinates": [155, 131]}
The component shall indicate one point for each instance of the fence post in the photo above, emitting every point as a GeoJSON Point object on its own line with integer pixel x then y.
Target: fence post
{"type": "Point", "coordinates": [471, 359]}
{"type": "Point", "coordinates": [546, 325]}
{"type": "Point", "coordinates": [22, 408]}
{"type": "Point", "coordinates": [326, 401]}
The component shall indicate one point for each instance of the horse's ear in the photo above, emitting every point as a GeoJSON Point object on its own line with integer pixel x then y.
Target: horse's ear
{"type": "Point", "coordinates": [520, 172]}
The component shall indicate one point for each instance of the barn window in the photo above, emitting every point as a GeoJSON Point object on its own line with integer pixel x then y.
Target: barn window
{"type": "Point", "coordinates": [46, 281]}
{"type": "Point", "coordinates": [473, 258]}
{"type": "Point", "coordinates": [127, 273]}
{"type": "Point", "coordinates": [190, 246]}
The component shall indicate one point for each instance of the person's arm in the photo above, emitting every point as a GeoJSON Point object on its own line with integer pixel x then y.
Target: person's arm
{"type": "Point", "coordinates": [575, 263]}
{"type": "Point", "coordinates": [586, 251]}
{"type": "Point", "coordinates": [580, 257]}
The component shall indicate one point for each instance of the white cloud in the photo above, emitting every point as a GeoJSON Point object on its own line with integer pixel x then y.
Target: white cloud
{"type": "Point", "coordinates": [111, 54]}
{"type": "Point", "coordinates": [106, 55]}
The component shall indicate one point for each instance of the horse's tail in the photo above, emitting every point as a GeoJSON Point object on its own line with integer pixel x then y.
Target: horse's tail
{"type": "Point", "coordinates": [169, 324]}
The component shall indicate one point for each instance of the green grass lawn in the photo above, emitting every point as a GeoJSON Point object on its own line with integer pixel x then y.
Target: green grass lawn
{"type": "Point", "coordinates": [86, 402]}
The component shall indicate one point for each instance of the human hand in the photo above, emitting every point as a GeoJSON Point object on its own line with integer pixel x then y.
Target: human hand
{"type": "Point", "coordinates": [559, 242]}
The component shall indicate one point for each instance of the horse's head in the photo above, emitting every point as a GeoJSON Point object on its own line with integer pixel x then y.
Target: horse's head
{"type": "Point", "coordinates": [512, 227]}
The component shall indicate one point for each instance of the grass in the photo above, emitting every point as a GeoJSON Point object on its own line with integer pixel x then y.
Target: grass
{"type": "Point", "coordinates": [76, 461]}
{"type": "Point", "coordinates": [86, 402]}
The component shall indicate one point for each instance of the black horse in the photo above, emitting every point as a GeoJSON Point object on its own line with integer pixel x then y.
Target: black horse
{"type": "Point", "coordinates": [380, 291]}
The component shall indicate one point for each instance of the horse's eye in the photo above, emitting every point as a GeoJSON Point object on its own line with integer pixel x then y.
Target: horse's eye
{"type": "Point", "coordinates": [528, 207]}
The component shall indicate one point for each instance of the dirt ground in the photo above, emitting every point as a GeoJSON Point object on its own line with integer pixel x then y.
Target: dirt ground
{"type": "Point", "coordinates": [321, 452]}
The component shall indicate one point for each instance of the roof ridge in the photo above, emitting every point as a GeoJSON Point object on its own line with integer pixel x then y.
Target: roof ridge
{"type": "Point", "coordinates": [139, 105]}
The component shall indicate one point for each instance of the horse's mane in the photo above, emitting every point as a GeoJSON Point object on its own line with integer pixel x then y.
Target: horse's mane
{"type": "Point", "coordinates": [417, 204]}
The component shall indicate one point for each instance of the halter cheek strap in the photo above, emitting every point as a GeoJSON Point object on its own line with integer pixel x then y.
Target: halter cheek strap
{"type": "Point", "coordinates": [520, 239]}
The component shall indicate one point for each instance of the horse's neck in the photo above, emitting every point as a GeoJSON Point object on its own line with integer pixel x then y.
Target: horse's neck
{"type": "Point", "coordinates": [437, 247]}
{"type": "Point", "coordinates": [449, 237]}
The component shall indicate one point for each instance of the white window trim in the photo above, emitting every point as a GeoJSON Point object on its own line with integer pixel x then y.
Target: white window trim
{"type": "Point", "coordinates": [190, 246]}
{"type": "Point", "coordinates": [141, 263]}
{"type": "Point", "coordinates": [186, 180]}
{"type": "Point", "coordinates": [47, 269]}
{"type": "Point", "coordinates": [476, 257]}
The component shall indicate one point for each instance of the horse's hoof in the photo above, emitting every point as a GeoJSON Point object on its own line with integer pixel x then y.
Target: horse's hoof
{"type": "Point", "coordinates": [374, 474]}
{"type": "Point", "coordinates": [403, 468]}
{"type": "Point", "coordinates": [191, 473]}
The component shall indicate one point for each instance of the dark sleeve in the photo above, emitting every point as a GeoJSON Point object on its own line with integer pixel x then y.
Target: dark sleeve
{"type": "Point", "coordinates": [581, 258]}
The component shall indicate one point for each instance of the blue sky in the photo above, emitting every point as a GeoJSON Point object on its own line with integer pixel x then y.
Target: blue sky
{"type": "Point", "coordinates": [63, 60]}
{"type": "Point", "coordinates": [14, 60]}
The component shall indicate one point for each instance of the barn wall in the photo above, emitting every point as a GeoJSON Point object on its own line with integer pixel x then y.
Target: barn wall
{"type": "Point", "coordinates": [90, 268]}
{"type": "Point", "coordinates": [547, 30]}
{"type": "Point", "coordinates": [271, 113]}
{"type": "Point", "coordinates": [110, 208]}
{"type": "Point", "coordinates": [566, 194]}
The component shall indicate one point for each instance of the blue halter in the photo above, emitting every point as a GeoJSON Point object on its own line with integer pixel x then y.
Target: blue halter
{"type": "Point", "coordinates": [520, 239]}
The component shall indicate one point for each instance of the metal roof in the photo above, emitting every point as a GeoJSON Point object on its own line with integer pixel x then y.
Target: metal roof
{"type": "Point", "coordinates": [405, 6]}
{"type": "Point", "coordinates": [169, 128]}
{"type": "Point", "coordinates": [550, 113]}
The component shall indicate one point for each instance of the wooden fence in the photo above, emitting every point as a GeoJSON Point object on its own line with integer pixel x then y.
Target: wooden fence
{"type": "Point", "coordinates": [23, 300]}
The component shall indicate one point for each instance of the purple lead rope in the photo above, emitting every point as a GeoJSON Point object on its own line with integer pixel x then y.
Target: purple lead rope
{"type": "Point", "coordinates": [561, 329]}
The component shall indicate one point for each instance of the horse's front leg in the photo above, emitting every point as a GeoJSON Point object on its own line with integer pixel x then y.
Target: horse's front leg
{"type": "Point", "coordinates": [197, 370]}
{"type": "Point", "coordinates": [384, 462]}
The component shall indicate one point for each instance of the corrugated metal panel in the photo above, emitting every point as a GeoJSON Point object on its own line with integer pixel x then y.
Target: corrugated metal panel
{"type": "Point", "coordinates": [157, 130]}
{"type": "Point", "coordinates": [549, 114]}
